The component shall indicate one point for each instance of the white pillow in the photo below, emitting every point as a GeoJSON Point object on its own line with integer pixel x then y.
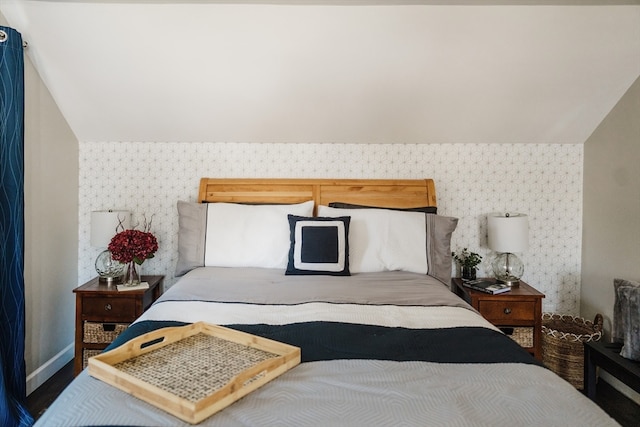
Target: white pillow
{"type": "Point", "coordinates": [384, 240]}
{"type": "Point", "coordinates": [250, 235]}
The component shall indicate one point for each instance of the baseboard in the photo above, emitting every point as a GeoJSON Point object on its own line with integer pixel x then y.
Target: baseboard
{"type": "Point", "coordinates": [50, 367]}
{"type": "Point", "coordinates": [621, 387]}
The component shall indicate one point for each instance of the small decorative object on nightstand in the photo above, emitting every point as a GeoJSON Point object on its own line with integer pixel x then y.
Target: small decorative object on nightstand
{"type": "Point", "coordinates": [133, 247]}
{"type": "Point", "coordinates": [468, 263]}
{"type": "Point", "coordinates": [518, 312]}
{"type": "Point", "coordinates": [102, 313]}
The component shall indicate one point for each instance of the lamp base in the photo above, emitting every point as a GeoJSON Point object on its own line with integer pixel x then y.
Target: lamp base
{"type": "Point", "coordinates": [512, 282]}
{"type": "Point", "coordinates": [109, 280]}
{"type": "Point", "coordinates": [109, 270]}
{"type": "Point", "coordinates": [508, 269]}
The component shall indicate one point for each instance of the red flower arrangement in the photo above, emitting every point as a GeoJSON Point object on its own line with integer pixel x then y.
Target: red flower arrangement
{"type": "Point", "coordinates": [133, 245]}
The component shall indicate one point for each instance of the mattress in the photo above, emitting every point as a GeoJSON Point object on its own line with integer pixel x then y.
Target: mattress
{"type": "Point", "coordinates": [392, 348]}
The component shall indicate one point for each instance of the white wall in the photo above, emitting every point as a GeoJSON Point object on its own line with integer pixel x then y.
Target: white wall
{"type": "Point", "coordinates": [611, 236]}
{"type": "Point", "coordinates": [542, 180]}
{"type": "Point", "coordinates": [51, 232]}
{"type": "Point", "coordinates": [611, 230]}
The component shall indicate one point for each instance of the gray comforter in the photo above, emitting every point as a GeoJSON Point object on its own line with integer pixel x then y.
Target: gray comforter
{"type": "Point", "coordinates": [454, 385]}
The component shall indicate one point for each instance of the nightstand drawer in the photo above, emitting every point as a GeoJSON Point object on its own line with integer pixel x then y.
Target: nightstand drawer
{"type": "Point", "coordinates": [505, 311]}
{"type": "Point", "coordinates": [102, 333]}
{"type": "Point", "coordinates": [116, 308]}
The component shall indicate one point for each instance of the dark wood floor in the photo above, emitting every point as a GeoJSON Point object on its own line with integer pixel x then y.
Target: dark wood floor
{"type": "Point", "coordinates": [40, 399]}
{"type": "Point", "coordinates": [624, 410]}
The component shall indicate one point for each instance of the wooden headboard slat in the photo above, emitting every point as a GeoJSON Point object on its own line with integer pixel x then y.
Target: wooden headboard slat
{"type": "Point", "coordinates": [372, 192]}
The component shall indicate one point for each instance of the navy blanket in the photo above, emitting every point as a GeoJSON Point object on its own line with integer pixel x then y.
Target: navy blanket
{"type": "Point", "coordinates": [331, 340]}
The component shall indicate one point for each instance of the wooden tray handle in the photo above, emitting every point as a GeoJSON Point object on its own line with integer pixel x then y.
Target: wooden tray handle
{"type": "Point", "coordinates": [155, 339]}
{"type": "Point", "coordinates": [151, 344]}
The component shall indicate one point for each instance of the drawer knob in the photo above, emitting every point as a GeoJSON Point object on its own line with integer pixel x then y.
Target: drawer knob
{"type": "Point", "coordinates": [107, 307]}
{"type": "Point", "coordinates": [507, 310]}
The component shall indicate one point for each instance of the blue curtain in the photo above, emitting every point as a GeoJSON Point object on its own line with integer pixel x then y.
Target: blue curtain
{"type": "Point", "coordinates": [12, 314]}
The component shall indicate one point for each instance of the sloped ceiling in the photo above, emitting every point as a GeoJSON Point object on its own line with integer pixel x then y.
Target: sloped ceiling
{"type": "Point", "coordinates": [363, 72]}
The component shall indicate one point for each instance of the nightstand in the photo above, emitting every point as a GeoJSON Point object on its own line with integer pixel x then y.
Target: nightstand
{"type": "Point", "coordinates": [103, 312]}
{"type": "Point", "coordinates": [517, 312]}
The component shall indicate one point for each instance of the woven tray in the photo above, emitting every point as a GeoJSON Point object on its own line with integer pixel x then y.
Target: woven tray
{"type": "Point", "coordinates": [193, 371]}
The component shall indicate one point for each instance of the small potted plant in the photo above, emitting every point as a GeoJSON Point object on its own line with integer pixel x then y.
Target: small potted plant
{"type": "Point", "coordinates": [468, 262]}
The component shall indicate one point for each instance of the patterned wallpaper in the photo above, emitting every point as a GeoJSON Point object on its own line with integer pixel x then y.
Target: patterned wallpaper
{"type": "Point", "coordinates": [541, 180]}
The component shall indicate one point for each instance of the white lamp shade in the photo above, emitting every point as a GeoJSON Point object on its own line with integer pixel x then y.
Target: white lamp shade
{"type": "Point", "coordinates": [508, 232]}
{"type": "Point", "coordinates": [104, 225]}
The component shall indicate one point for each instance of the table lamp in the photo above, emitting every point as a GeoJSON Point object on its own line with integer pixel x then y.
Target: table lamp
{"type": "Point", "coordinates": [105, 225]}
{"type": "Point", "coordinates": [507, 233]}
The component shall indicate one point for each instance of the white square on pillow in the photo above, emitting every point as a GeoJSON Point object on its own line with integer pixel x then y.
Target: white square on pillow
{"type": "Point", "coordinates": [384, 240]}
{"type": "Point", "coordinates": [250, 235]}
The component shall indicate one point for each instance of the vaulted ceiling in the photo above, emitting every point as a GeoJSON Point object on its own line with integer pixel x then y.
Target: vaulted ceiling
{"type": "Point", "coordinates": [353, 71]}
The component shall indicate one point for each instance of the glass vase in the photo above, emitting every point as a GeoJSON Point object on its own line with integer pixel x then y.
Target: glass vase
{"type": "Point", "coordinates": [469, 273]}
{"type": "Point", "coordinates": [131, 275]}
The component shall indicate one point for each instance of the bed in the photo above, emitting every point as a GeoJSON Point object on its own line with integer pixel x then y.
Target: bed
{"type": "Point", "coordinates": [360, 282]}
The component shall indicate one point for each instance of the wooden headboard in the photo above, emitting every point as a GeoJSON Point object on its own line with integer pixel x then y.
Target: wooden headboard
{"type": "Point", "coordinates": [388, 193]}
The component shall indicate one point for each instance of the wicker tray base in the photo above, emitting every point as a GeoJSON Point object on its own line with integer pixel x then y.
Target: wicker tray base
{"type": "Point", "coordinates": [193, 371]}
{"type": "Point", "coordinates": [201, 353]}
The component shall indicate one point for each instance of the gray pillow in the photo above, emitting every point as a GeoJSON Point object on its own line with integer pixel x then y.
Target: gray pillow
{"type": "Point", "coordinates": [439, 231]}
{"type": "Point", "coordinates": [192, 223]}
{"type": "Point", "coordinates": [626, 317]}
{"type": "Point", "coordinates": [192, 227]}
